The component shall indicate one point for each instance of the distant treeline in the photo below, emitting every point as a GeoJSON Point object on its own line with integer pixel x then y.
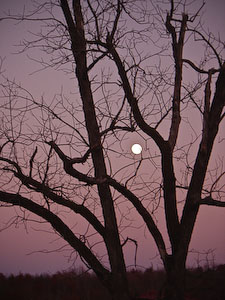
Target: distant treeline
{"type": "Point", "coordinates": [202, 284]}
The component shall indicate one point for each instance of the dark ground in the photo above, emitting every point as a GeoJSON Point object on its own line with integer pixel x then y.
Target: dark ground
{"type": "Point", "coordinates": [202, 284]}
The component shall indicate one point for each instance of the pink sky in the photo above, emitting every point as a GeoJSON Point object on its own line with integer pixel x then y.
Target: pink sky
{"type": "Point", "coordinates": [17, 243]}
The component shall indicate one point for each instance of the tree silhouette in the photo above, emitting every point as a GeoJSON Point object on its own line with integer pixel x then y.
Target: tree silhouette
{"type": "Point", "coordinates": [132, 79]}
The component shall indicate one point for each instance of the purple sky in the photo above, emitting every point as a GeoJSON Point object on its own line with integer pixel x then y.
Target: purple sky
{"type": "Point", "coordinates": [17, 243]}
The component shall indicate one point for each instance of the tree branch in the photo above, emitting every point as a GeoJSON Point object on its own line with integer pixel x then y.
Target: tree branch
{"type": "Point", "coordinates": [40, 187]}
{"type": "Point", "coordinates": [207, 41]}
{"type": "Point", "coordinates": [70, 170]}
{"type": "Point", "coordinates": [60, 227]}
{"type": "Point", "coordinates": [212, 202]}
{"type": "Point", "coordinates": [177, 45]}
{"type": "Point", "coordinates": [143, 213]}
{"type": "Point", "coordinates": [193, 199]}
{"type": "Point", "coordinates": [164, 146]}
{"type": "Point", "coordinates": [32, 161]}
{"type": "Point", "coordinates": [198, 69]}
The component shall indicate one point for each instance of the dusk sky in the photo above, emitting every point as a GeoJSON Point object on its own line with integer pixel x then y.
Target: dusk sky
{"type": "Point", "coordinates": [23, 249]}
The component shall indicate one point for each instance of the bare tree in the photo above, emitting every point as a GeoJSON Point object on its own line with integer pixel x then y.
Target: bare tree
{"type": "Point", "coordinates": [132, 78]}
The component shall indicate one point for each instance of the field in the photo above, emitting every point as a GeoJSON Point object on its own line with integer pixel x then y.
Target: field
{"type": "Point", "coordinates": [202, 284]}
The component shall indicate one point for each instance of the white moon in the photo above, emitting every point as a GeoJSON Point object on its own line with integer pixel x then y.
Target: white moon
{"type": "Point", "coordinates": [136, 149]}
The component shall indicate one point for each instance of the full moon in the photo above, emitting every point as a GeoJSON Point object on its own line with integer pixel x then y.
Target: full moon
{"type": "Point", "coordinates": [136, 149]}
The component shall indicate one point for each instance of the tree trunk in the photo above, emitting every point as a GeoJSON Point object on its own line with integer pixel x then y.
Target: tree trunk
{"type": "Point", "coordinates": [119, 286]}
{"type": "Point", "coordinates": [174, 287]}
{"type": "Point", "coordinates": [119, 294]}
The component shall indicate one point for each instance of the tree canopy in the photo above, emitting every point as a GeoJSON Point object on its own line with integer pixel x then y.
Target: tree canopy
{"type": "Point", "coordinates": [134, 81]}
